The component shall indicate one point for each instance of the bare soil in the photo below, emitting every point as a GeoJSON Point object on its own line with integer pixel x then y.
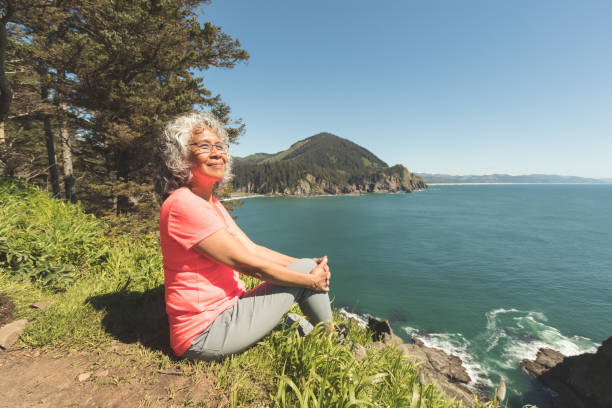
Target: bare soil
{"type": "Point", "coordinates": [109, 377]}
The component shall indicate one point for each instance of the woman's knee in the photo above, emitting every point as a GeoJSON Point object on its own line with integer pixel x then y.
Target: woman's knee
{"type": "Point", "coordinates": [303, 265]}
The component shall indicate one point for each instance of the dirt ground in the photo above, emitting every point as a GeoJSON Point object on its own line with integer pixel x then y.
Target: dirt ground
{"type": "Point", "coordinates": [111, 377]}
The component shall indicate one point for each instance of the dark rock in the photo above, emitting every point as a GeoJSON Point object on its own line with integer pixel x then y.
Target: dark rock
{"type": "Point", "coordinates": [10, 333]}
{"type": "Point", "coordinates": [549, 357]}
{"type": "Point", "coordinates": [545, 360]}
{"type": "Point", "coordinates": [342, 331]}
{"type": "Point", "coordinates": [446, 370]}
{"type": "Point", "coordinates": [379, 328]}
{"type": "Point", "coordinates": [303, 326]}
{"type": "Point", "coordinates": [583, 381]}
{"type": "Point", "coordinates": [429, 361]}
{"type": "Point", "coordinates": [6, 309]}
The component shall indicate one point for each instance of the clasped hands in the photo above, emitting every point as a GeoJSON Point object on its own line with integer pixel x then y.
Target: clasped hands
{"type": "Point", "coordinates": [321, 274]}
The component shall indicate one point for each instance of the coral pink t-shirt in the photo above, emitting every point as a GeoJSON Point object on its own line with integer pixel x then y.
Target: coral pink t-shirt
{"type": "Point", "coordinates": [197, 289]}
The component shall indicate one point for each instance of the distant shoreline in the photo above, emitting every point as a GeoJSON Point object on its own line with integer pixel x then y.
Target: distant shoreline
{"type": "Point", "coordinates": [480, 184]}
{"type": "Point", "coordinates": [243, 196]}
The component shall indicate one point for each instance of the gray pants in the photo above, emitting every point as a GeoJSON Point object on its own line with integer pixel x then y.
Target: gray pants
{"type": "Point", "coordinates": [255, 314]}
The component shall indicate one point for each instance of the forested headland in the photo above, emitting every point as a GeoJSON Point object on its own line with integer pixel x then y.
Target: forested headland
{"type": "Point", "coordinates": [321, 164]}
{"type": "Point", "coordinates": [86, 87]}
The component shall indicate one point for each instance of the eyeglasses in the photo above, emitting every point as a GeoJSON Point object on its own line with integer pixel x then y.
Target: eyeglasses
{"type": "Point", "coordinates": [206, 148]}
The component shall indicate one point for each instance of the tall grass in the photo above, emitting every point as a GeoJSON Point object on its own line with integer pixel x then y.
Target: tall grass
{"type": "Point", "coordinates": [108, 286]}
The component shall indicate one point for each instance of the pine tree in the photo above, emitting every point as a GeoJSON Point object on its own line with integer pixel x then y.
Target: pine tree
{"type": "Point", "coordinates": [115, 72]}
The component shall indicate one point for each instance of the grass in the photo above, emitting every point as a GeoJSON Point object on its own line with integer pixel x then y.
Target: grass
{"type": "Point", "coordinates": [108, 287]}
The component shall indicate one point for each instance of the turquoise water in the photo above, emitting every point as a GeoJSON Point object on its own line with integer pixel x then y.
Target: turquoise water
{"type": "Point", "coordinates": [488, 272]}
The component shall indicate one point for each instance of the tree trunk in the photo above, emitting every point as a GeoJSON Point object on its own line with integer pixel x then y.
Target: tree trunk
{"type": "Point", "coordinates": [2, 136]}
{"type": "Point", "coordinates": [112, 175]}
{"type": "Point", "coordinates": [50, 147]}
{"type": "Point", "coordinates": [67, 159]}
{"type": "Point", "coordinates": [5, 89]}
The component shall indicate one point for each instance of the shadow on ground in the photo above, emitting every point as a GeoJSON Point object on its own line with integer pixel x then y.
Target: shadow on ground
{"type": "Point", "coordinates": [136, 317]}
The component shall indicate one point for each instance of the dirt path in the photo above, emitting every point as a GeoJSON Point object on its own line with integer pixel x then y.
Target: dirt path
{"type": "Point", "coordinates": [112, 377]}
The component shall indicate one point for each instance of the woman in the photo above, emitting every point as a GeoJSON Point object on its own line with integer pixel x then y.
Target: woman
{"type": "Point", "coordinates": [209, 312]}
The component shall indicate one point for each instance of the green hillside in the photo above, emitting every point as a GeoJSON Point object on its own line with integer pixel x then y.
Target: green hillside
{"type": "Point", "coordinates": [321, 164]}
{"type": "Point", "coordinates": [328, 150]}
{"type": "Point", "coordinates": [252, 158]}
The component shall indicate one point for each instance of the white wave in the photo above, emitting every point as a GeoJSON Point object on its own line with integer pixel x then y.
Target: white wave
{"type": "Point", "coordinates": [492, 315]}
{"type": "Point", "coordinates": [456, 344]}
{"type": "Point", "coordinates": [524, 333]}
{"type": "Point", "coordinates": [494, 339]}
{"type": "Point", "coordinates": [549, 337]}
{"type": "Point", "coordinates": [242, 197]}
{"type": "Point", "coordinates": [411, 331]}
{"type": "Point", "coordinates": [362, 320]}
{"type": "Point", "coordinates": [511, 335]}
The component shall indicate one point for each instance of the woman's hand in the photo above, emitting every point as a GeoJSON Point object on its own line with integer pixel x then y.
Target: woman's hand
{"type": "Point", "coordinates": [321, 275]}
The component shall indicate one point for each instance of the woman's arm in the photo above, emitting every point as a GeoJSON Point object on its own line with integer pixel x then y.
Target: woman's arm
{"type": "Point", "coordinates": [262, 251]}
{"type": "Point", "coordinates": [229, 250]}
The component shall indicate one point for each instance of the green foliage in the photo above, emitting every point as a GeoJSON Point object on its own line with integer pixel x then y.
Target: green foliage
{"type": "Point", "coordinates": [44, 241]}
{"type": "Point", "coordinates": [133, 263]}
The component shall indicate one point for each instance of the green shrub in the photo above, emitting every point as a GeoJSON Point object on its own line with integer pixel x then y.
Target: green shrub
{"type": "Point", "coordinates": [47, 242]}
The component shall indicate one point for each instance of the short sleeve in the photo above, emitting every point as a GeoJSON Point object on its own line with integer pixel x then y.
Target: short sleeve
{"type": "Point", "coordinates": [191, 219]}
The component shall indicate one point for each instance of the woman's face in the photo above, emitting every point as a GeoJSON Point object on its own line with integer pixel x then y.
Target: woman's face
{"type": "Point", "coordinates": [206, 159]}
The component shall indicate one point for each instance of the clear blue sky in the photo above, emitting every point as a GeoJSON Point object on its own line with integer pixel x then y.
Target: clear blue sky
{"type": "Point", "coordinates": [456, 87]}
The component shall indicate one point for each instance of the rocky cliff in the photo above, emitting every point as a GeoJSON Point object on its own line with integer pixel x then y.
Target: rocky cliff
{"type": "Point", "coordinates": [436, 366]}
{"type": "Point", "coordinates": [583, 381]}
{"type": "Point", "coordinates": [380, 182]}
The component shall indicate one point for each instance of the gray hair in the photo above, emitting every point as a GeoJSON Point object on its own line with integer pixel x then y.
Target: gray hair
{"type": "Point", "coordinates": [176, 170]}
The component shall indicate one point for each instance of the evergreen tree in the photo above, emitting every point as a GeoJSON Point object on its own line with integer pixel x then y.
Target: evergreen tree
{"type": "Point", "coordinates": [113, 73]}
{"type": "Point", "coordinates": [7, 9]}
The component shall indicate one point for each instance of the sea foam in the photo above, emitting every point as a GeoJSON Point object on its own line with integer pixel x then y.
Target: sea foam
{"type": "Point", "coordinates": [510, 336]}
{"type": "Point", "coordinates": [525, 332]}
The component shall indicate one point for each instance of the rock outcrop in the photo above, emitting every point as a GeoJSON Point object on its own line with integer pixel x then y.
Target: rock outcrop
{"type": "Point", "coordinates": [583, 381]}
{"type": "Point", "coordinates": [444, 369]}
{"type": "Point", "coordinates": [545, 360]}
{"type": "Point", "coordinates": [391, 180]}
{"type": "Point", "coordinates": [9, 333]}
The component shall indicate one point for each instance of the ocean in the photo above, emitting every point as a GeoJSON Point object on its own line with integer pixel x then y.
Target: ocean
{"type": "Point", "coordinates": [490, 273]}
